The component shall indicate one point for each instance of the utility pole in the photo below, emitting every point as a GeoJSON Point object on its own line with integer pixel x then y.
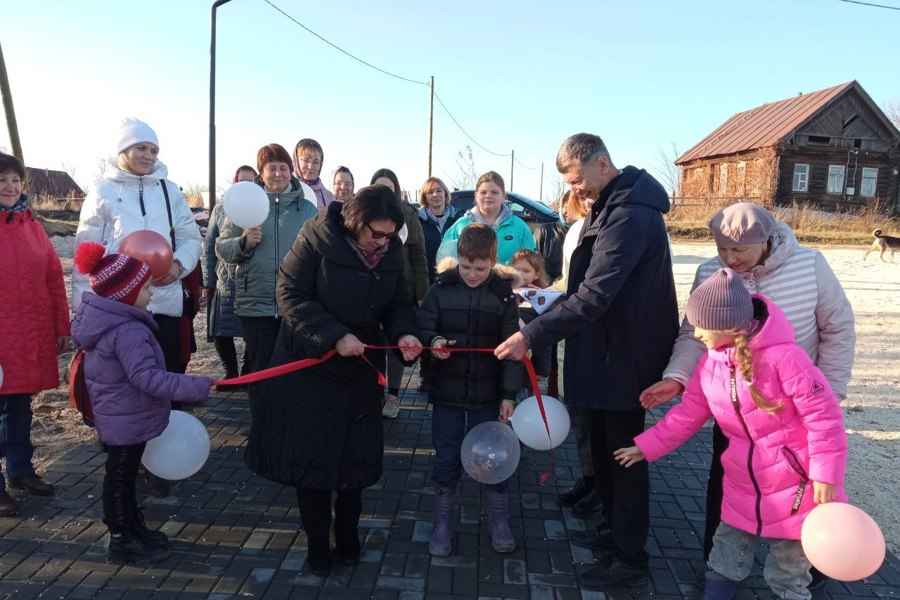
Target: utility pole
{"type": "Point", "coordinates": [11, 123]}
{"type": "Point", "coordinates": [212, 105]}
{"type": "Point", "coordinates": [512, 168]}
{"type": "Point", "coordinates": [541, 193]}
{"type": "Point", "coordinates": [430, 125]}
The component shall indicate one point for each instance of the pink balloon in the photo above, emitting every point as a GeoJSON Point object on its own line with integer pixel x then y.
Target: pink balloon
{"type": "Point", "coordinates": [149, 247]}
{"type": "Point", "coordinates": [842, 541]}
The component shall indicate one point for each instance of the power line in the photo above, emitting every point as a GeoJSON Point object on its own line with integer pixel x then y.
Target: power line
{"type": "Point", "coordinates": [339, 49]}
{"type": "Point", "coordinates": [524, 166]}
{"type": "Point", "coordinates": [871, 4]}
{"type": "Point", "coordinates": [447, 110]}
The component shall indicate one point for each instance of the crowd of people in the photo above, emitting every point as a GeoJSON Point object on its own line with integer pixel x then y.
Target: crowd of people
{"type": "Point", "coordinates": [367, 283]}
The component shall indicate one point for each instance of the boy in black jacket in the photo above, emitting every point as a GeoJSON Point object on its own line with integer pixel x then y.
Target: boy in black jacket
{"type": "Point", "coordinates": [469, 306]}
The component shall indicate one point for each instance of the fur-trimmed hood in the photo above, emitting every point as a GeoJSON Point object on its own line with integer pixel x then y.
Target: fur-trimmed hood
{"type": "Point", "coordinates": [449, 263]}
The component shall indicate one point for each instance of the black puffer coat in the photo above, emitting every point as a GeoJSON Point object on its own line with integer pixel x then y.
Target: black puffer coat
{"type": "Point", "coordinates": [480, 317]}
{"type": "Point", "coordinates": [620, 318]}
{"type": "Point", "coordinates": [320, 428]}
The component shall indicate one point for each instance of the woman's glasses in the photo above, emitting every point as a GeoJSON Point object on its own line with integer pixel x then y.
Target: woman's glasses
{"type": "Point", "coordinates": [380, 235]}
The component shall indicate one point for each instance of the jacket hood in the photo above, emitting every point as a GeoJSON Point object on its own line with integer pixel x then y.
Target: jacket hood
{"type": "Point", "coordinates": [476, 216]}
{"type": "Point", "coordinates": [160, 171]}
{"type": "Point", "coordinates": [294, 193]}
{"type": "Point", "coordinates": [449, 212]}
{"type": "Point", "coordinates": [97, 315]}
{"type": "Point", "coordinates": [449, 263]}
{"type": "Point", "coordinates": [636, 186]}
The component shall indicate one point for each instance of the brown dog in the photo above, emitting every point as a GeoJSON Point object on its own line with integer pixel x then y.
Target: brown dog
{"type": "Point", "coordinates": [884, 243]}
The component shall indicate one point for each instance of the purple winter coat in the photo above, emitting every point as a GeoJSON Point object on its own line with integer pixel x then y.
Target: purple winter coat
{"type": "Point", "coordinates": [769, 456]}
{"type": "Point", "coordinates": [126, 375]}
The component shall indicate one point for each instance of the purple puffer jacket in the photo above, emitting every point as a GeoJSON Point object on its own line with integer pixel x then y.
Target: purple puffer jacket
{"type": "Point", "coordinates": [126, 375]}
{"type": "Point", "coordinates": [769, 456]}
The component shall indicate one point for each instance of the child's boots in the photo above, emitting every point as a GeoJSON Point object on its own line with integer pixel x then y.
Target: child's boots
{"type": "Point", "coordinates": [498, 521]}
{"type": "Point", "coordinates": [151, 538]}
{"type": "Point", "coordinates": [717, 588]}
{"type": "Point", "coordinates": [129, 548]}
{"type": "Point", "coordinates": [441, 542]}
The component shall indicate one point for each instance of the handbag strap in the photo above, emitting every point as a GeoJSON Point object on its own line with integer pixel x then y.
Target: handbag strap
{"type": "Point", "coordinates": [162, 182]}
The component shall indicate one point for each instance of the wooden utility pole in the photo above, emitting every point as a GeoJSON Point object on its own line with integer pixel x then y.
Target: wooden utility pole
{"type": "Point", "coordinates": [212, 103]}
{"type": "Point", "coordinates": [512, 168]}
{"type": "Point", "coordinates": [11, 123]}
{"type": "Point", "coordinates": [430, 125]}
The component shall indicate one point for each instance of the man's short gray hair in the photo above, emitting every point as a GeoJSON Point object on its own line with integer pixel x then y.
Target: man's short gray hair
{"type": "Point", "coordinates": [579, 149]}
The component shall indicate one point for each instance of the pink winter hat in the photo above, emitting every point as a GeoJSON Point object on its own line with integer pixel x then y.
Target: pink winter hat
{"type": "Point", "coordinates": [742, 223]}
{"type": "Point", "coordinates": [721, 303]}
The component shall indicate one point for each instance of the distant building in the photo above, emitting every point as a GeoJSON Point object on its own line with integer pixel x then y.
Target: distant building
{"type": "Point", "coordinates": [834, 148]}
{"type": "Point", "coordinates": [46, 182]}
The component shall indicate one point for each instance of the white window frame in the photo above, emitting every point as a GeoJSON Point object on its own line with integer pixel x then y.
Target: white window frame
{"type": "Point", "coordinates": [800, 181]}
{"type": "Point", "coordinates": [835, 180]}
{"type": "Point", "coordinates": [723, 178]}
{"type": "Point", "coordinates": [867, 189]}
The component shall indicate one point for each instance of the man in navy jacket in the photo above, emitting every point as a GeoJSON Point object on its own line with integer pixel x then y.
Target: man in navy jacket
{"type": "Point", "coordinates": [619, 320]}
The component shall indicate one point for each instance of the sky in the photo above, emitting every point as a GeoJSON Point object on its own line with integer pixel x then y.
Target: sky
{"type": "Point", "coordinates": [517, 75]}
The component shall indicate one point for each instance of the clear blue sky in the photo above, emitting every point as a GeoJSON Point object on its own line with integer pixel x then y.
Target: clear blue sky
{"type": "Point", "coordinates": [517, 74]}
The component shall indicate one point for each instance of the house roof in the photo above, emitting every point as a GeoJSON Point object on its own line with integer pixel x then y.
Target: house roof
{"type": "Point", "coordinates": [52, 183]}
{"type": "Point", "coordinates": [766, 125]}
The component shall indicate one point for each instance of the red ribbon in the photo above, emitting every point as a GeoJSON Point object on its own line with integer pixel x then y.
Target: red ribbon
{"type": "Point", "coordinates": [382, 380]}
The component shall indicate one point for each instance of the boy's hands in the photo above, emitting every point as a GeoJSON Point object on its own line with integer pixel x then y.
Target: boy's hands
{"type": "Point", "coordinates": [410, 347]}
{"type": "Point", "coordinates": [441, 343]}
{"type": "Point", "coordinates": [629, 456]}
{"type": "Point", "coordinates": [823, 493]}
{"type": "Point", "coordinates": [507, 408]}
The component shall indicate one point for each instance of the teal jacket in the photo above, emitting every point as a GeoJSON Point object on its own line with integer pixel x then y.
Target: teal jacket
{"type": "Point", "coordinates": [257, 269]}
{"type": "Point", "coordinates": [512, 234]}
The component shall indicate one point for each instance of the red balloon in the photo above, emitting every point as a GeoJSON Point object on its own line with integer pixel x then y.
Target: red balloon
{"type": "Point", "coordinates": [149, 247]}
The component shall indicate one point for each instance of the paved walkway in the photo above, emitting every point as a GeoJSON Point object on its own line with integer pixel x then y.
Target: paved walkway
{"type": "Point", "coordinates": [235, 535]}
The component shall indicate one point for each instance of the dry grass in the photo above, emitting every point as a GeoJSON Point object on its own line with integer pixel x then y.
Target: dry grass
{"type": "Point", "coordinates": [810, 223]}
{"type": "Point", "coordinates": [44, 203]}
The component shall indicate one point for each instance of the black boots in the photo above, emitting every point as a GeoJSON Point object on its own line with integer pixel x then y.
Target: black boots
{"type": "Point", "coordinates": [320, 559]}
{"type": "Point", "coordinates": [346, 541]}
{"type": "Point", "coordinates": [130, 548]}
{"type": "Point", "coordinates": [583, 497]}
{"type": "Point", "coordinates": [578, 491]}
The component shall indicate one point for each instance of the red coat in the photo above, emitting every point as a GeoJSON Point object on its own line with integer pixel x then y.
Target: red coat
{"type": "Point", "coordinates": [33, 305]}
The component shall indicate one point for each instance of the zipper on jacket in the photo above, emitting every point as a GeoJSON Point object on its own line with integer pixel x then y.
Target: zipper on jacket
{"type": "Point", "coordinates": [737, 410]}
{"type": "Point", "coordinates": [277, 264]}
{"type": "Point", "coordinates": [804, 479]}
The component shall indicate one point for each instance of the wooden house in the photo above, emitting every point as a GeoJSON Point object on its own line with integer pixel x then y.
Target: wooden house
{"type": "Point", "coordinates": [47, 182]}
{"type": "Point", "coordinates": [834, 148]}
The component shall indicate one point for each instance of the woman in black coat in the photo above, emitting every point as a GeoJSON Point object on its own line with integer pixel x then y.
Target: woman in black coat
{"type": "Point", "coordinates": [341, 287]}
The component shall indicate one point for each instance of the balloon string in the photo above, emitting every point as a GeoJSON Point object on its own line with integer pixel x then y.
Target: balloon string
{"type": "Point", "coordinates": [382, 380]}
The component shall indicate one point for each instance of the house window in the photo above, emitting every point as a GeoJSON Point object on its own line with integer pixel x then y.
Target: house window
{"type": "Point", "coordinates": [835, 179]}
{"type": "Point", "coordinates": [869, 179]}
{"type": "Point", "coordinates": [723, 178]}
{"type": "Point", "coordinates": [742, 177]}
{"type": "Point", "coordinates": [801, 178]}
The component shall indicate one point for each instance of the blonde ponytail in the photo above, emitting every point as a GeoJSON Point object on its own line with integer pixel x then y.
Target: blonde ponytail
{"type": "Point", "coordinates": [745, 363]}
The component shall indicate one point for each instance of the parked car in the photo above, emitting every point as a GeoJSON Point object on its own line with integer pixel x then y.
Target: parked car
{"type": "Point", "coordinates": [531, 211]}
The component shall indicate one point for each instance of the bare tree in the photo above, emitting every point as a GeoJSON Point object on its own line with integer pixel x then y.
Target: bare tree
{"type": "Point", "coordinates": [467, 175]}
{"type": "Point", "coordinates": [892, 110]}
{"type": "Point", "coordinates": [665, 168]}
{"type": "Point", "coordinates": [556, 190]}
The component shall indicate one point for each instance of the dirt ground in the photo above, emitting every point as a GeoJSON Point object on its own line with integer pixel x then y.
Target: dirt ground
{"type": "Point", "coordinates": [870, 411]}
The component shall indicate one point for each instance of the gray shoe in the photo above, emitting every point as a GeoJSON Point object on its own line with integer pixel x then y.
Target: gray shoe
{"type": "Point", "coordinates": [391, 407]}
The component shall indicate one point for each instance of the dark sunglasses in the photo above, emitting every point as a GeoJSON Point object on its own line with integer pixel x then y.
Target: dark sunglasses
{"type": "Point", "coordinates": [380, 235]}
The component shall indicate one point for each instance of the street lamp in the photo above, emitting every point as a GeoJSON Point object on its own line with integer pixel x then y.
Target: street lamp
{"type": "Point", "coordinates": [212, 105]}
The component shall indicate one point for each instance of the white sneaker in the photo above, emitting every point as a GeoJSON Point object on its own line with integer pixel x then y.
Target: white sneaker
{"type": "Point", "coordinates": [391, 407]}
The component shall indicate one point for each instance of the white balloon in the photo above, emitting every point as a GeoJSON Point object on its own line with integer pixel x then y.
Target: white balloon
{"type": "Point", "coordinates": [529, 425]}
{"type": "Point", "coordinates": [180, 450]}
{"type": "Point", "coordinates": [1, 376]}
{"type": "Point", "coordinates": [246, 204]}
{"type": "Point", "coordinates": [404, 233]}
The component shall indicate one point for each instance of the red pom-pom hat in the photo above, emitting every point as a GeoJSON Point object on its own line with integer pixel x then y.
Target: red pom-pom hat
{"type": "Point", "coordinates": [116, 276]}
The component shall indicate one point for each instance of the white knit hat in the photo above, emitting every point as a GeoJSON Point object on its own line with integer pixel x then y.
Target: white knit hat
{"type": "Point", "coordinates": [133, 131]}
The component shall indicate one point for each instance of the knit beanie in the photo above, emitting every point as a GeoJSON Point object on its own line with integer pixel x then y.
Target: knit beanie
{"type": "Point", "coordinates": [742, 223]}
{"type": "Point", "coordinates": [133, 131]}
{"type": "Point", "coordinates": [115, 276]}
{"type": "Point", "coordinates": [721, 303]}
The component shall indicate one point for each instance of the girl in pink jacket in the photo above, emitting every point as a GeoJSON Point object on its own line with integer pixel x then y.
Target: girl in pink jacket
{"type": "Point", "coordinates": [787, 447]}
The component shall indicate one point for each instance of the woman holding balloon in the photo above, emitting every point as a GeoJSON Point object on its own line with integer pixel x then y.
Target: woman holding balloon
{"type": "Point", "coordinates": [341, 290]}
{"type": "Point", "coordinates": [34, 330]}
{"type": "Point", "coordinates": [256, 241]}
